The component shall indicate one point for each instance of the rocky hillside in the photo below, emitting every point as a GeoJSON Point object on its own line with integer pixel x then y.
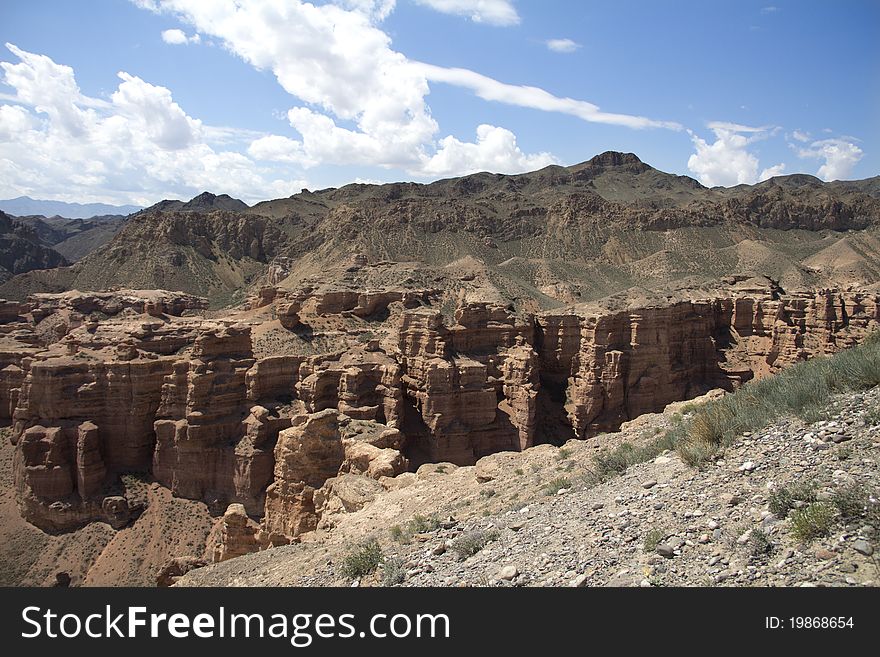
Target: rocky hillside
{"type": "Point", "coordinates": [74, 238]}
{"type": "Point", "coordinates": [794, 504]}
{"type": "Point", "coordinates": [541, 240]}
{"type": "Point", "coordinates": [21, 249]}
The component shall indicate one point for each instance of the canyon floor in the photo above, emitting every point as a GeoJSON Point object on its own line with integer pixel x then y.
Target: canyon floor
{"type": "Point", "coordinates": [546, 522]}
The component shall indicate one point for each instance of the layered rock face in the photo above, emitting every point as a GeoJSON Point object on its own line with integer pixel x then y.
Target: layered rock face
{"type": "Point", "coordinates": [297, 439]}
{"type": "Point", "coordinates": [471, 387]}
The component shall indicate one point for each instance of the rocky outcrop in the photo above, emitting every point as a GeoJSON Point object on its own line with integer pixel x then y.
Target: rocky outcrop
{"type": "Point", "coordinates": [237, 535]}
{"type": "Point", "coordinates": [176, 568]}
{"type": "Point", "coordinates": [456, 377]}
{"type": "Point", "coordinates": [306, 456]}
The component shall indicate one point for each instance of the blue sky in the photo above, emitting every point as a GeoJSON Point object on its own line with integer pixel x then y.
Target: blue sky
{"type": "Point", "coordinates": [138, 100]}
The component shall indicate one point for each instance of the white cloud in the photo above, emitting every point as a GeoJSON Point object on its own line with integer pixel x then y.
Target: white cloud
{"type": "Point", "coordinates": [363, 102]}
{"type": "Point", "coordinates": [150, 110]}
{"type": "Point", "coordinates": [138, 147]}
{"type": "Point", "coordinates": [377, 9]}
{"type": "Point", "coordinates": [495, 150]}
{"type": "Point", "coordinates": [493, 12]}
{"type": "Point", "coordinates": [800, 136]}
{"type": "Point", "coordinates": [562, 45]}
{"type": "Point", "coordinates": [840, 157]}
{"type": "Point", "coordinates": [178, 37]}
{"type": "Point", "coordinates": [771, 172]}
{"type": "Point", "coordinates": [769, 10]}
{"type": "Point", "coordinates": [727, 161]}
{"type": "Point", "coordinates": [536, 98]}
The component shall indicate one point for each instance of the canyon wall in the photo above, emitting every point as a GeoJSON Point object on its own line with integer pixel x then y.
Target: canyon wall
{"type": "Point", "coordinates": [98, 388]}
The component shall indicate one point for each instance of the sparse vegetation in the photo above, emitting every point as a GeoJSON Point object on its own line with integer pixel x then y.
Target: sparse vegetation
{"type": "Point", "coordinates": [555, 485]}
{"type": "Point", "coordinates": [468, 544]}
{"type": "Point", "coordinates": [393, 572]}
{"type": "Point", "coordinates": [802, 390]}
{"type": "Point", "coordinates": [418, 524]}
{"type": "Point", "coordinates": [784, 499]}
{"type": "Point", "coordinates": [611, 463]}
{"type": "Point", "coordinates": [812, 521]}
{"type": "Point", "coordinates": [362, 560]}
{"type": "Point", "coordinates": [851, 501]}
{"type": "Point", "coordinates": [653, 538]}
{"type": "Point", "coordinates": [759, 542]}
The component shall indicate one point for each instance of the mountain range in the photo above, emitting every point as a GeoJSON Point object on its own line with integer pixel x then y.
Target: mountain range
{"type": "Point", "coordinates": [561, 235]}
{"type": "Point", "coordinates": [24, 205]}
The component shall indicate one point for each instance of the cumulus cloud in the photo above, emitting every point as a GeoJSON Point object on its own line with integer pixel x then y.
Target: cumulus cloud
{"type": "Point", "coordinates": [362, 101]}
{"type": "Point", "coordinates": [727, 161]}
{"type": "Point", "coordinates": [494, 150]}
{"type": "Point", "coordinates": [772, 172]}
{"type": "Point", "coordinates": [840, 156]}
{"type": "Point", "coordinates": [562, 45]}
{"type": "Point", "coordinates": [137, 147]}
{"type": "Point", "coordinates": [800, 136]}
{"type": "Point", "coordinates": [179, 38]}
{"type": "Point", "coordinates": [493, 12]}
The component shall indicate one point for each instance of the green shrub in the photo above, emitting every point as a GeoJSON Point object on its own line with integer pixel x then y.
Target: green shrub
{"type": "Point", "coordinates": [653, 538]}
{"type": "Point", "coordinates": [695, 452]}
{"type": "Point", "coordinates": [760, 542]}
{"type": "Point", "coordinates": [851, 501]}
{"type": "Point", "coordinates": [812, 521]}
{"type": "Point", "coordinates": [393, 572]}
{"type": "Point", "coordinates": [468, 544]}
{"type": "Point", "coordinates": [418, 524]}
{"type": "Point", "coordinates": [555, 485]}
{"type": "Point", "coordinates": [782, 500]}
{"type": "Point", "coordinates": [362, 560]}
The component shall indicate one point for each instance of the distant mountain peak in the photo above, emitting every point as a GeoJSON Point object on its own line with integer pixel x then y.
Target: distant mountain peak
{"type": "Point", "coordinates": [614, 159]}
{"type": "Point", "coordinates": [204, 202]}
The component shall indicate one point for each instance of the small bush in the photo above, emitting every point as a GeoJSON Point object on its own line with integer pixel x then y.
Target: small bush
{"type": "Point", "coordinates": [760, 542]}
{"type": "Point", "coordinates": [422, 525]}
{"type": "Point", "coordinates": [812, 521]}
{"type": "Point", "coordinates": [362, 560]}
{"type": "Point", "coordinates": [519, 472]}
{"type": "Point", "coordinates": [653, 538]}
{"type": "Point", "coordinates": [695, 452]}
{"type": "Point", "coordinates": [418, 524]}
{"type": "Point", "coordinates": [563, 453]}
{"type": "Point", "coordinates": [468, 544]}
{"type": "Point", "coordinates": [783, 500]}
{"type": "Point", "coordinates": [393, 572]}
{"type": "Point", "coordinates": [851, 501]}
{"type": "Point", "coordinates": [555, 485]}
